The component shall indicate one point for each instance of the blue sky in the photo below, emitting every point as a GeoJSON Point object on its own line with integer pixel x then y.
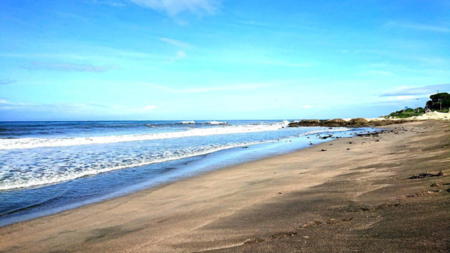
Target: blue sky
{"type": "Point", "coordinates": [219, 59]}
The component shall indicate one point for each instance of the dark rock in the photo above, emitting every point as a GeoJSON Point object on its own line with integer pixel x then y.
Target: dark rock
{"type": "Point", "coordinates": [326, 137]}
{"type": "Point", "coordinates": [424, 175]}
{"type": "Point", "coordinates": [304, 123]}
{"type": "Point", "coordinates": [357, 122]}
{"type": "Point", "coordinates": [283, 235]}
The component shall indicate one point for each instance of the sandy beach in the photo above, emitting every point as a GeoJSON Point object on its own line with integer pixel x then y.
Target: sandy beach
{"type": "Point", "coordinates": [364, 194]}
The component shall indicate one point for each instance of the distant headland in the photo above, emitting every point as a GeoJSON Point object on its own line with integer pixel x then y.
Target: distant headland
{"type": "Point", "coordinates": [438, 108]}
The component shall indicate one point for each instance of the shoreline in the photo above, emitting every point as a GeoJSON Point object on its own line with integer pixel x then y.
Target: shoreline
{"type": "Point", "coordinates": [185, 168]}
{"type": "Point", "coordinates": [237, 208]}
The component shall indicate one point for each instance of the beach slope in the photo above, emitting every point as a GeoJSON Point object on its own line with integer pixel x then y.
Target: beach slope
{"type": "Point", "coordinates": [382, 192]}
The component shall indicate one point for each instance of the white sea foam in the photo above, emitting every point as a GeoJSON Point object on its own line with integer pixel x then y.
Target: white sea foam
{"type": "Point", "coordinates": [25, 143]}
{"type": "Point", "coordinates": [188, 122]}
{"type": "Point", "coordinates": [217, 122]}
{"type": "Point", "coordinates": [42, 167]}
{"type": "Point", "coordinates": [51, 176]}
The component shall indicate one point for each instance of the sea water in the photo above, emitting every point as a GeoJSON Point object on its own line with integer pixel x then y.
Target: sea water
{"type": "Point", "coordinates": [47, 167]}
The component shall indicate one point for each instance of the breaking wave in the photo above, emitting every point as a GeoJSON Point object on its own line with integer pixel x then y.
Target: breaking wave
{"type": "Point", "coordinates": [27, 143]}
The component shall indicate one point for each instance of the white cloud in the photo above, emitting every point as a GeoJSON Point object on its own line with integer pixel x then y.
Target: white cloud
{"type": "Point", "coordinates": [378, 73]}
{"type": "Point", "coordinates": [180, 55]}
{"type": "Point", "coordinates": [404, 91]}
{"type": "Point", "coordinates": [93, 54]}
{"type": "Point", "coordinates": [307, 106]}
{"type": "Point", "coordinates": [402, 98]}
{"type": "Point", "coordinates": [110, 3]}
{"type": "Point", "coordinates": [175, 7]}
{"type": "Point", "coordinates": [61, 107]}
{"type": "Point", "coordinates": [67, 67]}
{"type": "Point", "coordinates": [75, 108]}
{"type": "Point", "coordinates": [234, 87]}
{"type": "Point", "coordinates": [421, 27]}
{"type": "Point", "coordinates": [411, 93]}
{"type": "Point", "coordinates": [285, 64]}
{"type": "Point", "coordinates": [149, 107]}
{"type": "Point", "coordinates": [175, 43]}
{"type": "Point", "coordinates": [6, 81]}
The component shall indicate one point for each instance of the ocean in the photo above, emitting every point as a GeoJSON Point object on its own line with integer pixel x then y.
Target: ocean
{"type": "Point", "coordinates": [48, 167]}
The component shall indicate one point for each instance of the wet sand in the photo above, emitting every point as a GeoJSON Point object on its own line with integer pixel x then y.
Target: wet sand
{"type": "Point", "coordinates": [348, 195]}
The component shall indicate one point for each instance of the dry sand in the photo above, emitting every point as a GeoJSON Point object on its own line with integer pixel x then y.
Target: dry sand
{"type": "Point", "coordinates": [349, 195]}
{"type": "Point", "coordinates": [433, 115]}
{"type": "Point", "coordinates": [426, 116]}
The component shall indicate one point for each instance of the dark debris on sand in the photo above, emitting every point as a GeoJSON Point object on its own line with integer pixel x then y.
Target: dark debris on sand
{"type": "Point", "coordinates": [426, 174]}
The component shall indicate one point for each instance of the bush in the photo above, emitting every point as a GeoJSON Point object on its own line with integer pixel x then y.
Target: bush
{"type": "Point", "coordinates": [407, 112]}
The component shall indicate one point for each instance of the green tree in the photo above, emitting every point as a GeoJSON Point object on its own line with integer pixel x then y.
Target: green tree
{"type": "Point", "coordinates": [439, 102]}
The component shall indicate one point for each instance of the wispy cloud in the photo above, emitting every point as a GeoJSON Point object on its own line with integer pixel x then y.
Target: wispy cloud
{"type": "Point", "coordinates": [44, 55]}
{"type": "Point", "coordinates": [253, 23]}
{"type": "Point", "coordinates": [75, 108]}
{"type": "Point", "coordinates": [401, 98]}
{"type": "Point", "coordinates": [175, 7]}
{"type": "Point", "coordinates": [176, 43]}
{"type": "Point", "coordinates": [69, 67]}
{"type": "Point", "coordinates": [113, 3]}
{"type": "Point", "coordinates": [377, 73]}
{"type": "Point", "coordinates": [73, 16]}
{"type": "Point", "coordinates": [223, 88]}
{"type": "Point", "coordinates": [113, 52]}
{"type": "Point", "coordinates": [285, 63]}
{"type": "Point", "coordinates": [6, 81]}
{"type": "Point", "coordinates": [89, 53]}
{"type": "Point", "coordinates": [179, 55]}
{"type": "Point", "coordinates": [420, 27]}
{"type": "Point", "coordinates": [149, 107]}
{"type": "Point", "coordinates": [404, 95]}
{"type": "Point", "coordinates": [67, 107]}
{"type": "Point", "coordinates": [422, 91]}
